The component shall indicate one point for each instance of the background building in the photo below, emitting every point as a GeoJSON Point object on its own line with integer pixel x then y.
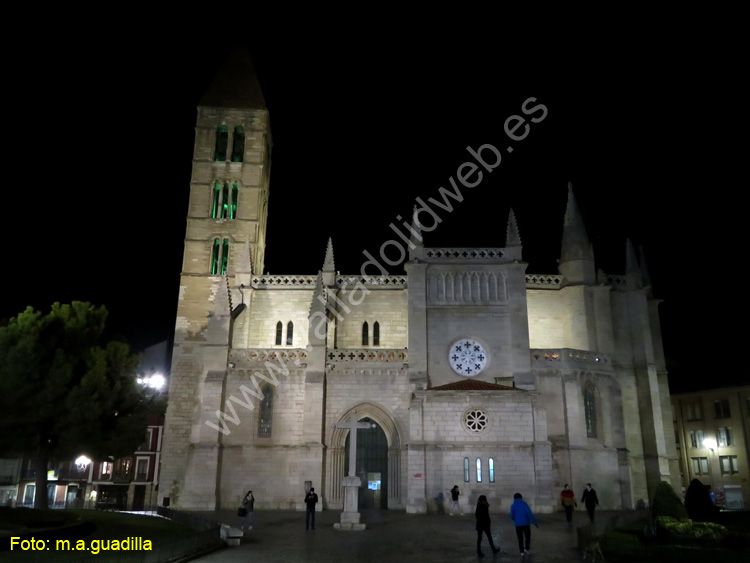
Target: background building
{"type": "Point", "coordinates": [712, 429]}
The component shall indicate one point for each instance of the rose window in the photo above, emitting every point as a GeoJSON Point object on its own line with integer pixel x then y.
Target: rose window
{"type": "Point", "coordinates": [475, 420]}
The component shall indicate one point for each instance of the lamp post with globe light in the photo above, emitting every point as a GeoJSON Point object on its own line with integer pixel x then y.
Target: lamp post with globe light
{"type": "Point", "coordinates": [82, 463]}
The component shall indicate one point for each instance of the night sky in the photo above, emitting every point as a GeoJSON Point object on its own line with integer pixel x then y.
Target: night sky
{"type": "Point", "coordinates": [361, 127]}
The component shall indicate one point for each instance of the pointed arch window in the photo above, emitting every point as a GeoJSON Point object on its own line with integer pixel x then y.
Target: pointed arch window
{"type": "Point", "coordinates": [289, 333]}
{"type": "Point", "coordinates": [233, 204]}
{"type": "Point", "coordinates": [365, 334]}
{"type": "Point", "coordinates": [222, 139]}
{"type": "Point", "coordinates": [589, 405]}
{"type": "Point", "coordinates": [466, 470]}
{"type": "Point", "coordinates": [492, 470]}
{"type": "Point", "coordinates": [219, 257]}
{"type": "Point", "coordinates": [279, 331]}
{"type": "Point", "coordinates": [238, 144]}
{"type": "Point", "coordinates": [265, 418]}
{"type": "Point", "coordinates": [376, 334]}
{"type": "Point", "coordinates": [224, 201]}
{"type": "Point", "coordinates": [479, 470]}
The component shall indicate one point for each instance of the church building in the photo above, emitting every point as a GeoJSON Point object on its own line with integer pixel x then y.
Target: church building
{"type": "Point", "coordinates": [467, 370]}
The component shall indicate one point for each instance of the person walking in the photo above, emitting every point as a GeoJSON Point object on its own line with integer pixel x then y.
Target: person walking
{"type": "Point", "coordinates": [590, 500]}
{"type": "Point", "coordinates": [247, 503]}
{"type": "Point", "coordinates": [482, 514]}
{"type": "Point", "coordinates": [523, 518]}
{"type": "Point", "coordinates": [568, 499]}
{"type": "Point", "coordinates": [454, 497]}
{"type": "Point", "coordinates": [311, 499]}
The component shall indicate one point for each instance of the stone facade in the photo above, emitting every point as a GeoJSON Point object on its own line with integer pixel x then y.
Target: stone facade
{"type": "Point", "coordinates": [573, 387]}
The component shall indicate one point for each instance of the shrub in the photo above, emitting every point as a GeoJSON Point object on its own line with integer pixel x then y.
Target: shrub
{"type": "Point", "coordinates": [688, 529]}
{"type": "Point", "coordinates": [667, 503]}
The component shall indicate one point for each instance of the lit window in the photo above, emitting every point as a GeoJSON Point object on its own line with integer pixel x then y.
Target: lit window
{"type": "Point", "coordinates": [266, 412]}
{"type": "Point", "coordinates": [238, 144]}
{"type": "Point", "coordinates": [696, 438]}
{"type": "Point", "coordinates": [216, 201]}
{"type": "Point", "coordinates": [224, 200]}
{"type": "Point", "coordinates": [492, 470]}
{"type": "Point", "coordinates": [589, 402]}
{"type": "Point", "coordinates": [233, 205]}
{"type": "Point", "coordinates": [222, 138]}
{"type": "Point", "coordinates": [479, 470]}
{"type": "Point", "coordinates": [279, 331]}
{"type": "Point", "coordinates": [141, 469]}
{"type": "Point", "coordinates": [376, 334]}
{"type": "Point", "coordinates": [365, 334]}
{"type": "Point", "coordinates": [289, 333]}
{"type": "Point", "coordinates": [724, 437]}
{"type": "Point", "coordinates": [466, 469]}
{"type": "Point", "coordinates": [106, 469]}
{"type": "Point", "coordinates": [729, 465]}
{"type": "Point", "coordinates": [219, 257]}
{"type": "Point", "coordinates": [700, 465]}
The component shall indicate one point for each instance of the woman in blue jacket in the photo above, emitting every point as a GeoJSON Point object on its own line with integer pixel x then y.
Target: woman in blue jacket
{"type": "Point", "coordinates": [522, 517]}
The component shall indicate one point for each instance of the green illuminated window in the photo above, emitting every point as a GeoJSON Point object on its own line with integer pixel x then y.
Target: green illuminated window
{"type": "Point", "coordinates": [238, 144]}
{"type": "Point", "coordinates": [235, 196]}
{"type": "Point", "coordinates": [219, 257]}
{"type": "Point", "coordinates": [222, 138]}
{"type": "Point", "coordinates": [216, 200]}
{"type": "Point", "coordinates": [224, 201]}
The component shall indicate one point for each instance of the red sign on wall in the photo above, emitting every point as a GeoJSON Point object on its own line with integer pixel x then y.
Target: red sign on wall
{"type": "Point", "coordinates": [417, 475]}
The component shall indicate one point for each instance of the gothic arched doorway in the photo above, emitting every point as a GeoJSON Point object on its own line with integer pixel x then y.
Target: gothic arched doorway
{"type": "Point", "coordinates": [371, 465]}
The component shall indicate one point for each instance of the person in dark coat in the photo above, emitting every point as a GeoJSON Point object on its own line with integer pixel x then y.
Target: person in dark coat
{"type": "Point", "coordinates": [311, 499]}
{"type": "Point", "coordinates": [590, 500]}
{"type": "Point", "coordinates": [248, 503]}
{"type": "Point", "coordinates": [482, 515]}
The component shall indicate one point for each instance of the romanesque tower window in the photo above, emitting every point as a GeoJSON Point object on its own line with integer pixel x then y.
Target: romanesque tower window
{"type": "Point", "coordinates": [233, 204]}
{"type": "Point", "coordinates": [492, 470]}
{"type": "Point", "coordinates": [238, 144]}
{"type": "Point", "coordinates": [479, 470]}
{"type": "Point", "coordinates": [466, 469]}
{"type": "Point", "coordinates": [365, 334]}
{"type": "Point", "coordinates": [289, 333]}
{"type": "Point", "coordinates": [589, 405]}
{"type": "Point", "coordinates": [265, 418]}
{"type": "Point", "coordinates": [222, 139]}
{"type": "Point", "coordinates": [224, 201]}
{"type": "Point", "coordinates": [279, 331]}
{"type": "Point", "coordinates": [376, 334]}
{"type": "Point", "coordinates": [219, 257]}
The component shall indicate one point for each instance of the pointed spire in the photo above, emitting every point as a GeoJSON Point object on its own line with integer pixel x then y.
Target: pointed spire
{"type": "Point", "coordinates": [328, 263]}
{"type": "Point", "coordinates": [633, 275]}
{"type": "Point", "coordinates": [576, 253]}
{"type": "Point", "coordinates": [512, 236]}
{"type": "Point", "coordinates": [319, 297]}
{"type": "Point", "coordinates": [235, 84]}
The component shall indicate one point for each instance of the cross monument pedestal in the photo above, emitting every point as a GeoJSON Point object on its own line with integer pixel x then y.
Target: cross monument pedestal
{"type": "Point", "coordinates": [351, 483]}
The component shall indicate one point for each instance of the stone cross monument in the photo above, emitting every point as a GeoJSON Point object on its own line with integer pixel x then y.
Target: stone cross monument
{"type": "Point", "coordinates": [351, 483]}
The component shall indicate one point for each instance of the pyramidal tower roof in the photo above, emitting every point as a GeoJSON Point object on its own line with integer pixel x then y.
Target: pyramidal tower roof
{"type": "Point", "coordinates": [235, 84]}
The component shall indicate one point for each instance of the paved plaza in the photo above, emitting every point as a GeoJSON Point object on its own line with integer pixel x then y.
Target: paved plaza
{"type": "Point", "coordinates": [394, 536]}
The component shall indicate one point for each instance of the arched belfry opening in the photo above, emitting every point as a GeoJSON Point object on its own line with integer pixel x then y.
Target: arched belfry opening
{"type": "Point", "coordinates": [378, 462]}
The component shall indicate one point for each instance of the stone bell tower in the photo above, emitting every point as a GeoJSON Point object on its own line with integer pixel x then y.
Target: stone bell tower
{"type": "Point", "coordinates": [224, 245]}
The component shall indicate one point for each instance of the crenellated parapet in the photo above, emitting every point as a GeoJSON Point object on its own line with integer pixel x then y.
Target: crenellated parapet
{"type": "Point", "coordinates": [445, 255]}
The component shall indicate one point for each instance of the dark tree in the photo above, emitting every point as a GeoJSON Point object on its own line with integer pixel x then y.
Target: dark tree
{"type": "Point", "coordinates": [667, 503]}
{"type": "Point", "coordinates": [698, 502]}
{"type": "Point", "coordinates": [64, 391]}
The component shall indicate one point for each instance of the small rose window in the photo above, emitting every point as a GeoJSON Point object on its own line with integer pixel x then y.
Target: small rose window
{"type": "Point", "coordinates": [475, 420]}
